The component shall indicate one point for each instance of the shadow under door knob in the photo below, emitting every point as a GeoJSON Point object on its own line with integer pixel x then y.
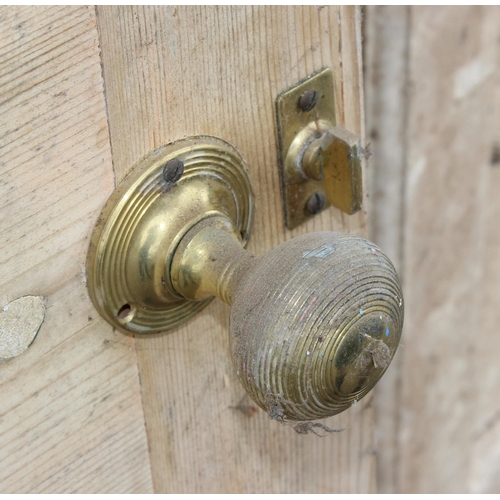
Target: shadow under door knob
{"type": "Point", "coordinates": [314, 323]}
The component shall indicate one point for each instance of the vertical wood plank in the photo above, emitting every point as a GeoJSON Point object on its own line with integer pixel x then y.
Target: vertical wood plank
{"type": "Point", "coordinates": [452, 128]}
{"type": "Point", "coordinates": [172, 72]}
{"type": "Point", "coordinates": [386, 54]}
{"type": "Point", "coordinates": [71, 417]}
{"type": "Point", "coordinates": [448, 409]}
{"type": "Point", "coordinates": [484, 467]}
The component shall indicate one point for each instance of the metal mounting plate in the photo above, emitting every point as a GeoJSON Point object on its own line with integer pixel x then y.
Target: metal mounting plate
{"type": "Point", "coordinates": [291, 120]}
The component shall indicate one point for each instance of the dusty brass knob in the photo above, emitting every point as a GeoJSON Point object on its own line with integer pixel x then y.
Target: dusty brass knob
{"type": "Point", "coordinates": [314, 323]}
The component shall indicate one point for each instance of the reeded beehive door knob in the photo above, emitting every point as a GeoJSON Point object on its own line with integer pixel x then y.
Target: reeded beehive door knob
{"type": "Point", "coordinates": [312, 339]}
{"type": "Point", "coordinates": [314, 323]}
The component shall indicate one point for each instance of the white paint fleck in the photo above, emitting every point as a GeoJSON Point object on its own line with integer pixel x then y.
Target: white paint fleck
{"type": "Point", "coordinates": [470, 76]}
{"type": "Point", "coordinates": [20, 321]}
{"type": "Point", "coordinates": [308, 353]}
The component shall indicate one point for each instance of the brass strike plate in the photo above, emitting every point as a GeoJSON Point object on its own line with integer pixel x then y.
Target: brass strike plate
{"type": "Point", "coordinates": [291, 121]}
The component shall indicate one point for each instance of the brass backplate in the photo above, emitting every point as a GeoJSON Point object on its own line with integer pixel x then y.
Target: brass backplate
{"type": "Point", "coordinates": [134, 240]}
{"type": "Point", "coordinates": [291, 122]}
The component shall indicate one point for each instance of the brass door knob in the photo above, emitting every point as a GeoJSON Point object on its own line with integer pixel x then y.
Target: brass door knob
{"type": "Point", "coordinates": [314, 322]}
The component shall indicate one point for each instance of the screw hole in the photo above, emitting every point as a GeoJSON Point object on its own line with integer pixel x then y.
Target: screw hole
{"type": "Point", "coordinates": [125, 313]}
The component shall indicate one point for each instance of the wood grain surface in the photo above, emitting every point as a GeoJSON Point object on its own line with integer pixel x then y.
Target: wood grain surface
{"type": "Point", "coordinates": [446, 410]}
{"type": "Point", "coordinates": [71, 417]}
{"type": "Point", "coordinates": [386, 55]}
{"type": "Point", "coordinates": [172, 72]}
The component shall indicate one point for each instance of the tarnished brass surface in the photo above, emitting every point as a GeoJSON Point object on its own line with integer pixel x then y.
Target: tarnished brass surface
{"type": "Point", "coordinates": [128, 263]}
{"type": "Point", "coordinates": [335, 159]}
{"type": "Point", "coordinates": [209, 261]}
{"type": "Point", "coordinates": [316, 156]}
{"type": "Point", "coordinates": [314, 323]}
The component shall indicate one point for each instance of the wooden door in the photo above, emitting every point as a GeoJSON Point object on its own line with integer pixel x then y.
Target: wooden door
{"type": "Point", "coordinates": [434, 118]}
{"type": "Point", "coordinates": [85, 93]}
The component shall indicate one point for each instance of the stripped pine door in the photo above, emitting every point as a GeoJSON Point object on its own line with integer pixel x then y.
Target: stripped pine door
{"type": "Point", "coordinates": [86, 92]}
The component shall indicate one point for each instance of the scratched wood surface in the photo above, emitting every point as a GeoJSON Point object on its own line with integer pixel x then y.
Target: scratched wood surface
{"type": "Point", "coordinates": [71, 417]}
{"type": "Point", "coordinates": [172, 72]}
{"type": "Point", "coordinates": [447, 408]}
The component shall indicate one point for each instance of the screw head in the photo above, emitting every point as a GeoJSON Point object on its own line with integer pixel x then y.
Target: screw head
{"type": "Point", "coordinates": [173, 170]}
{"type": "Point", "coordinates": [315, 203]}
{"type": "Point", "coordinates": [308, 100]}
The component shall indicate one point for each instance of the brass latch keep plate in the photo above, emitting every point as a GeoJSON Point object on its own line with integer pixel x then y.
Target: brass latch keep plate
{"type": "Point", "coordinates": [320, 163]}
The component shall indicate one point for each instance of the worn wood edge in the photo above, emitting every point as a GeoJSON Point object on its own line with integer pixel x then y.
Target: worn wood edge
{"type": "Point", "coordinates": [386, 59]}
